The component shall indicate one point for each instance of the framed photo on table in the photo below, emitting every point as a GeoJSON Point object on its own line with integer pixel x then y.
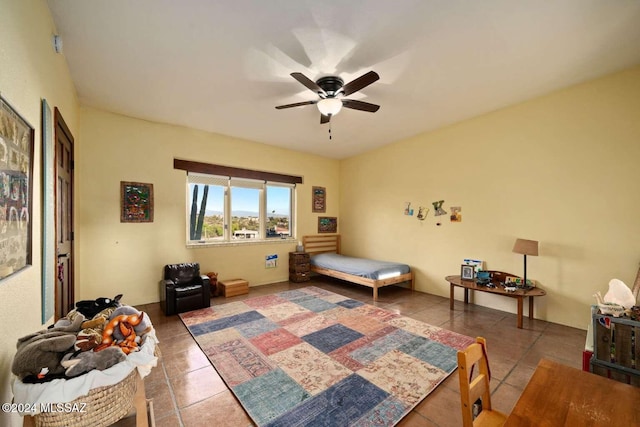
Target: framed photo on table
{"type": "Point", "coordinates": [467, 272]}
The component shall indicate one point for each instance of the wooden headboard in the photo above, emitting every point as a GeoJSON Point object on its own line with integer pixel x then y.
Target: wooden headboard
{"type": "Point", "coordinates": [321, 243]}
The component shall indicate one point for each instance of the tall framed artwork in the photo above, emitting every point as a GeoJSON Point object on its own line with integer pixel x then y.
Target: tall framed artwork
{"type": "Point", "coordinates": [136, 201]}
{"type": "Point", "coordinates": [319, 199]}
{"type": "Point", "coordinates": [16, 190]}
{"type": "Point", "coordinates": [49, 260]}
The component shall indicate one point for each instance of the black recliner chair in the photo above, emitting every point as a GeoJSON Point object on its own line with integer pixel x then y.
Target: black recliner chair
{"type": "Point", "coordinates": [184, 289]}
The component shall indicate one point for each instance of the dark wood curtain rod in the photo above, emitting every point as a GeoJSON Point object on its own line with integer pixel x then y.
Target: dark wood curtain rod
{"type": "Point", "coordinates": [211, 169]}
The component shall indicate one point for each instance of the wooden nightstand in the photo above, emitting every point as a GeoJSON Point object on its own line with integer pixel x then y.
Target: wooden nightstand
{"type": "Point", "coordinates": [299, 267]}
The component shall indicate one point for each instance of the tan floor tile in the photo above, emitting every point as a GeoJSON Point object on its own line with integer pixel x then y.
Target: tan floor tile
{"type": "Point", "coordinates": [441, 407]}
{"type": "Point", "coordinates": [195, 386]}
{"type": "Point", "coordinates": [186, 361]}
{"type": "Point", "coordinates": [170, 420]}
{"type": "Point", "coordinates": [163, 401]}
{"type": "Point", "coordinates": [414, 419]}
{"type": "Point", "coordinates": [519, 377]}
{"type": "Point", "coordinates": [177, 345]}
{"type": "Point", "coordinates": [436, 315]}
{"type": "Point", "coordinates": [170, 330]}
{"type": "Point", "coordinates": [452, 382]}
{"type": "Point", "coordinates": [220, 410]}
{"type": "Point", "coordinates": [505, 397]}
{"type": "Point", "coordinates": [501, 364]}
{"type": "Point", "coordinates": [156, 375]}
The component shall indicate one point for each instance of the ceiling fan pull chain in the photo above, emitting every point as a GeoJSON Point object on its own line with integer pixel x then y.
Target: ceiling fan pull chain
{"type": "Point", "coordinates": [330, 131]}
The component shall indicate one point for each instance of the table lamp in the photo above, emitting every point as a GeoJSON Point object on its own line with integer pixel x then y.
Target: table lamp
{"type": "Point", "coordinates": [526, 247]}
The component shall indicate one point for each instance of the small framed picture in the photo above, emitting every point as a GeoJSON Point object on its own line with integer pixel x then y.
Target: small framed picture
{"type": "Point", "coordinates": [136, 201]}
{"type": "Point", "coordinates": [327, 224]}
{"type": "Point", "coordinates": [467, 272]}
{"type": "Point", "coordinates": [319, 197]}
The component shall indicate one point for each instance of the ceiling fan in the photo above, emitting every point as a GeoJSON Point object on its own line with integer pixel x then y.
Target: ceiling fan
{"type": "Point", "coordinates": [331, 90]}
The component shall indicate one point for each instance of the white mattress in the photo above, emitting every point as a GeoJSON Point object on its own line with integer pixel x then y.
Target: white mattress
{"type": "Point", "coordinates": [367, 268]}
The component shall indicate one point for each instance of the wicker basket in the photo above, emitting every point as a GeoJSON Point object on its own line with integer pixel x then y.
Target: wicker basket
{"type": "Point", "coordinates": [300, 268]}
{"type": "Point", "coordinates": [295, 257]}
{"type": "Point", "coordinates": [104, 406]}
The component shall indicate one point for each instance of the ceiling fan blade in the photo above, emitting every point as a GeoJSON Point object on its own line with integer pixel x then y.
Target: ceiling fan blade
{"type": "Point", "coordinates": [308, 83]}
{"type": "Point", "coordinates": [360, 105]}
{"type": "Point", "coordinates": [297, 104]}
{"type": "Point", "coordinates": [359, 83]}
{"type": "Point", "coordinates": [324, 119]}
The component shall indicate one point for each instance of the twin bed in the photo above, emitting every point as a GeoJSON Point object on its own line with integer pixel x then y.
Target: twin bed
{"type": "Point", "coordinates": [324, 251]}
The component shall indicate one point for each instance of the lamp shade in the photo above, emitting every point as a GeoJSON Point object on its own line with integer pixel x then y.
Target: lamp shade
{"type": "Point", "coordinates": [329, 106]}
{"type": "Point", "coordinates": [526, 247]}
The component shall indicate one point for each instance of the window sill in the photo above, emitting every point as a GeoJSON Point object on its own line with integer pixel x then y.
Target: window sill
{"type": "Point", "coordinates": [241, 243]}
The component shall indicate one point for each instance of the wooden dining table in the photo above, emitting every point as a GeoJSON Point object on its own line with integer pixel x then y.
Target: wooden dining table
{"type": "Point", "coordinates": [558, 395]}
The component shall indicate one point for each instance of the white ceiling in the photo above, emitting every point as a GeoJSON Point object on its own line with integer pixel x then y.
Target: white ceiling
{"type": "Point", "coordinates": [223, 65]}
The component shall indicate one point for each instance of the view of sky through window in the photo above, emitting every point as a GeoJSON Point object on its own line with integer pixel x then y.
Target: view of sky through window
{"type": "Point", "coordinates": [244, 200]}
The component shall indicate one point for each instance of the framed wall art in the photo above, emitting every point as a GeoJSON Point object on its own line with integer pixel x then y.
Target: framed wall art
{"type": "Point", "coordinates": [327, 224]}
{"type": "Point", "coordinates": [16, 189]}
{"type": "Point", "coordinates": [319, 197]}
{"type": "Point", "coordinates": [136, 201]}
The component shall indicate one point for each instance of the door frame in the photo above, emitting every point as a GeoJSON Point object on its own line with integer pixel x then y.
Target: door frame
{"type": "Point", "coordinates": [61, 127]}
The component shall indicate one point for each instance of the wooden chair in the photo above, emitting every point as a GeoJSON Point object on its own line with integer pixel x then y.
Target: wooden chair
{"type": "Point", "coordinates": [477, 388]}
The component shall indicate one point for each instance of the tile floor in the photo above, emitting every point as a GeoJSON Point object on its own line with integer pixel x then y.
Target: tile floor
{"type": "Point", "coordinates": [187, 391]}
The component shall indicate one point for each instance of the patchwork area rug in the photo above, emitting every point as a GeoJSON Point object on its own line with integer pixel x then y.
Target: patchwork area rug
{"type": "Point", "coordinates": [311, 357]}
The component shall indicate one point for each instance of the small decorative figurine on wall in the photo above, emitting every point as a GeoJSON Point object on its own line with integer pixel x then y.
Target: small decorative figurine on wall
{"type": "Point", "coordinates": [437, 206]}
{"type": "Point", "coordinates": [408, 210]}
{"type": "Point", "coordinates": [456, 216]}
{"type": "Point", "coordinates": [422, 213]}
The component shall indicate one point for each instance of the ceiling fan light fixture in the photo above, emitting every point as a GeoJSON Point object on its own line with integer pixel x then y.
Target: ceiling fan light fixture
{"type": "Point", "coordinates": [329, 106]}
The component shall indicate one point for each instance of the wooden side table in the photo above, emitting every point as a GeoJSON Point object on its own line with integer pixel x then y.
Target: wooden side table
{"type": "Point", "coordinates": [299, 267]}
{"type": "Point", "coordinates": [520, 294]}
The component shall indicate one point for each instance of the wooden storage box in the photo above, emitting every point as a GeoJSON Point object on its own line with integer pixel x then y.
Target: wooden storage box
{"type": "Point", "coordinates": [616, 348]}
{"type": "Point", "coordinates": [233, 287]}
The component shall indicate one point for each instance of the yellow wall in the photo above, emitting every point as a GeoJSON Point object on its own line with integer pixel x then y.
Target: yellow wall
{"type": "Point", "coordinates": [128, 258]}
{"type": "Point", "coordinates": [29, 71]}
{"type": "Point", "coordinates": [563, 169]}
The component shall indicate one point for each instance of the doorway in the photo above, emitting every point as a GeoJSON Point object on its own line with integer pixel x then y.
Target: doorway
{"type": "Point", "coordinates": [65, 298]}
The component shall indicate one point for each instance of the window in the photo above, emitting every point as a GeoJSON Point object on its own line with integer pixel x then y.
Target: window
{"type": "Point", "coordinates": [227, 209]}
{"type": "Point", "coordinates": [278, 214]}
